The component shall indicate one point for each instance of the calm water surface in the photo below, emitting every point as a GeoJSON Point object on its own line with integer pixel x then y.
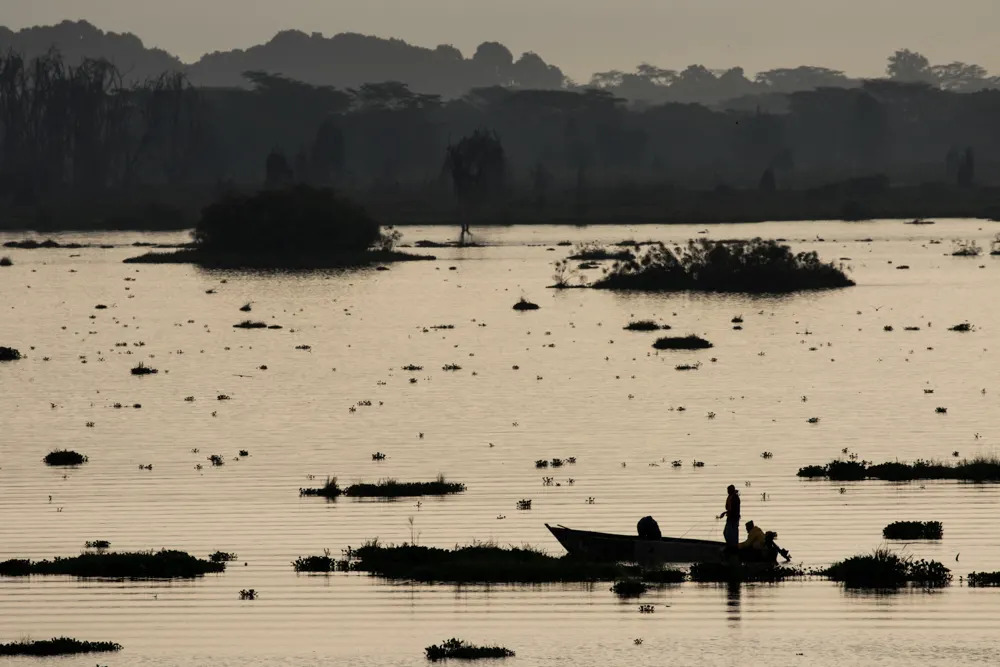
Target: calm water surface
{"type": "Point", "coordinates": [583, 388]}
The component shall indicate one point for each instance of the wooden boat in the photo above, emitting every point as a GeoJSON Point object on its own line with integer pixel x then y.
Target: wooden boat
{"type": "Point", "coordinates": [631, 548]}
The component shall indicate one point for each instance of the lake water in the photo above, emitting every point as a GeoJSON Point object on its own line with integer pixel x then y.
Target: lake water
{"type": "Point", "coordinates": [583, 388]}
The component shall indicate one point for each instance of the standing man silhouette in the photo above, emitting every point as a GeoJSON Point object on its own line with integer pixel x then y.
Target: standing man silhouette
{"type": "Point", "coordinates": [731, 532]}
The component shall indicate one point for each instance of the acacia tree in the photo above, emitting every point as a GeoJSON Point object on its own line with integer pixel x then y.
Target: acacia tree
{"type": "Point", "coordinates": [477, 166]}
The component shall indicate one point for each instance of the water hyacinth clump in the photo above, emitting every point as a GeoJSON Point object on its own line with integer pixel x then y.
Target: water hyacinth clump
{"type": "Point", "coordinates": [143, 369]}
{"type": "Point", "coordinates": [524, 304]}
{"type": "Point", "coordinates": [57, 646]}
{"type": "Point", "coordinates": [322, 563]}
{"type": "Point", "coordinates": [690, 342]}
{"type": "Point", "coordinates": [753, 266]}
{"type": "Point", "coordinates": [645, 325]}
{"type": "Point", "coordinates": [328, 490]}
{"type": "Point", "coordinates": [984, 579]}
{"type": "Point", "coordinates": [742, 572]}
{"type": "Point", "coordinates": [250, 324]}
{"type": "Point", "coordinates": [165, 564]}
{"type": "Point", "coordinates": [64, 457]}
{"type": "Point", "coordinates": [461, 650]}
{"type": "Point", "coordinates": [913, 530]}
{"type": "Point", "coordinates": [885, 569]}
{"type": "Point", "coordinates": [9, 354]}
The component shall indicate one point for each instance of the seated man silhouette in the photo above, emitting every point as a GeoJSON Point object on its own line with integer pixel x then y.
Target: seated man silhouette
{"type": "Point", "coordinates": [755, 546]}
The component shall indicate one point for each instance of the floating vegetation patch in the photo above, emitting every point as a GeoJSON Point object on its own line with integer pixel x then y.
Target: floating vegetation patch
{"type": "Point", "coordinates": [97, 544]}
{"type": "Point", "coordinates": [979, 469]}
{"type": "Point", "coordinates": [64, 457]}
{"type": "Point", "coordinates": [451, 367]}
{"type": "Point", "coordinates": [913, 530]}
{"type": "Point", "coordinates": [691, 342]}
{"type": "Point", "coordinates": [753, 266]}
{"type": "Point", "coordinates": [222, 557]}
{"type": "Point", "coordinates": [983, 579]}
{"type": "Point", "coordinates": [412, 368]}
{"type": "Point", "coordinates": [458, 649]}
{"type": "Point", "coordinates": [387, 488]}
{"type": "Point", "coordinates": [885, 569]}
{"type": "Point", "coordinates": [143, 369]}
{"type": "Point", "coordinates": [250, 324]}
{"type": "Point", "coordinates": [645, 325]}
{"type": "Point", "coordinates": [9, 354]}
{"type": "Point", "coordinates": [742, 572]}
{"type": "Point", "coordinates": [524, 304]}
{"type": "Point", "coordinates": [962, 327]}
{"type": "Point", "coordinates": [966, 248]}
{"type": "Point", "coordinates": [6, 261]}
{"type": "Point", "coordinates": [165, 564]}
{"type": "Point", "coordinates": [57, 646]}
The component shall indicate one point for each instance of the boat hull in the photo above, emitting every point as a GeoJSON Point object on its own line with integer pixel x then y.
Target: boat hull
{"type": "Point", "coordinates": [628, 548]}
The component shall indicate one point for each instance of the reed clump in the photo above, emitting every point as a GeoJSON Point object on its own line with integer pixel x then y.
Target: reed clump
{"type": "Point", "coordinates": [458, 649]}
{"type": "Point", "coordinates": [983, 579]}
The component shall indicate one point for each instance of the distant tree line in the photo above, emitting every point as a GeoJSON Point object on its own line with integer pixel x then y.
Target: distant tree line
{"type": "Point", "coordinates": [83, 127]}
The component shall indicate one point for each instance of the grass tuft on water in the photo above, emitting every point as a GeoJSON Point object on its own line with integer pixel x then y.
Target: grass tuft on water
{"type": "Point", "coordinates": [165, 564]}
{"type": "Point", "coordinates": [57, 646]}
{"type": "Point", "coordinates": [64, 457]}
{"type": "Point", "coordinates": [458, 649]}
{"type": "Point", "coordinates": [690, 342]}
{"type": "Point", "coordinates": [979, 469]}
{"type": "Point", "coordinates": [885, 569]}
{"type": "Point", "coordinates": [913, 530]}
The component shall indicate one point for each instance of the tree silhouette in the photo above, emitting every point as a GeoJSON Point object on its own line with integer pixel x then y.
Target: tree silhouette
{"type": "Point", "coordinates": [477, 165]}
{"type": "Point", "coordinates": [910, 67]}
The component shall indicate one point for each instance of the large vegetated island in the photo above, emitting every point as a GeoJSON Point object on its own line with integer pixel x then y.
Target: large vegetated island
{"type": "Point", "coordinates": [298, 227]}
{"type": "Point", "coordinates": [751, 266]}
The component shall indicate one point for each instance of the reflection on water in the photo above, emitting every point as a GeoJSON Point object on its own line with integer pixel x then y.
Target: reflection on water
{"type": "Point", "coordinates": [582, 388]}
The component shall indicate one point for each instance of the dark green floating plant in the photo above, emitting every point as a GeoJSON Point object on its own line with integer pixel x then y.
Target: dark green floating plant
{"type": "Point", "coordinates": [459, 649]}
{"type": "Point", "coordinates": [913, 530]}
{"type": "Point", "coordinates": [57, 646]}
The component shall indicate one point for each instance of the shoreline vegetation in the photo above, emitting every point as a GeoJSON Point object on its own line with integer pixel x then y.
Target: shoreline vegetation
{"type": "Point", "coordinates": [154, 210]}
{"type": "Point", "coordinates": [386, 488]}
{"type": "Point", "coordinates": [296, 227]}
{"type": "Point", "coordinates": [979, 469]}
{"type": "Point", "coordinates": [164, 564]}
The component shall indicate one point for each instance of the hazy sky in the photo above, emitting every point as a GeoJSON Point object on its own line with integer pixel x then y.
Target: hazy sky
{"type": "Point", "coordinates": [581, 36]}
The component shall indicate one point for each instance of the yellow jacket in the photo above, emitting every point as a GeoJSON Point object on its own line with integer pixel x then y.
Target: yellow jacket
{"type": "Point", "coordinates": [755, 539]}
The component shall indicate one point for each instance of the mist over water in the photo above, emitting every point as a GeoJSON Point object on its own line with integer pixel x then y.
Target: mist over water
{"type": "Point", "coordinates": [583, 387]}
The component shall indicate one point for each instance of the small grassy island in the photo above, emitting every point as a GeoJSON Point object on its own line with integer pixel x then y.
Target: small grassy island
{"type": "Point", "coordinates": [386, 488]}
{"type": "Point", "coordinates": [756, 266]}
{"type": "Point", "coordinates": [57, 646]}
{"type": "Point", "coordinates": [165, 564]}
{"type": "Point", "coordinates": [980, 469]}
{"type": "Point", "coordinates": [299, 227]}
